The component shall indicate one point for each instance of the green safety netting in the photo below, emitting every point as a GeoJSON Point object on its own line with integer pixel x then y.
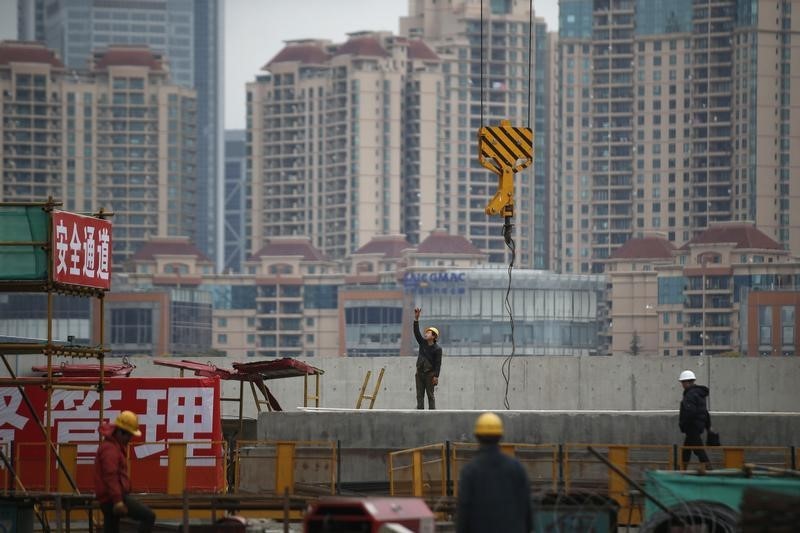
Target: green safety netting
{"type": "Point", "coordinates": [23, 224]}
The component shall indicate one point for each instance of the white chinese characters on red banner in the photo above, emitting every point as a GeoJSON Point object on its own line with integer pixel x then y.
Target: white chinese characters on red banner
{"type": "Point", "coordinates": [81, 250]}
{"type": "Point", "coordinates": [169, 409]}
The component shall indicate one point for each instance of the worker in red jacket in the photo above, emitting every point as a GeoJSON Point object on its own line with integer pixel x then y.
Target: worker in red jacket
{"type": "Point", "coordinates": [111, 483]}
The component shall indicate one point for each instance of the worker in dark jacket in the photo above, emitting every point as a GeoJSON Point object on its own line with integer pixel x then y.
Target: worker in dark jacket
{"type": "Point", "coordinates": [429, 362]}
{"type": "Point", "coordinates": [694, 417]}
{"type": "Point", "coordinates": [112, 485]}
{"type": "Point", "coordinates": [493, 490]}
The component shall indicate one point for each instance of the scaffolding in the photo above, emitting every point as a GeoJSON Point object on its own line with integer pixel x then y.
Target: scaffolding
{"type": "Point", "coordinates": [256, 373]}
{"type": "Point", "coordinates": [36, 247]}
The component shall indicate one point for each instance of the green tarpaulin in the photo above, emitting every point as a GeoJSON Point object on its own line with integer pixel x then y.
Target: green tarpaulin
{"type": "Point", "coordinates": [672, 488]}
{"type": "Point", "coordinates": [23, 224]}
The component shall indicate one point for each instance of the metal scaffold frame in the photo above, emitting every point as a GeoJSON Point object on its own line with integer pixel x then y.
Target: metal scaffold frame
{"type": "Point", "coordinates": [48, 284]}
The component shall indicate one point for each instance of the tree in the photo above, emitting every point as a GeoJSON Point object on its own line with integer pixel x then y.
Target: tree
{"type": "Point", "coordinates": [636, 345]}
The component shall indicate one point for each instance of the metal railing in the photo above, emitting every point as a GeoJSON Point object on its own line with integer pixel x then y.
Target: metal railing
{"type": "Point", "coordinates": [432, 471]}
{"type": "Point", "coordinates": [278, 467]}
{"type": "Point", "coordinates": [421, 472]}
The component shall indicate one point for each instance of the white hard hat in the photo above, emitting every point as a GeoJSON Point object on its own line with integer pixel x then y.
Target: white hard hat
{"type": "Point", "coordinates": [687, 375]}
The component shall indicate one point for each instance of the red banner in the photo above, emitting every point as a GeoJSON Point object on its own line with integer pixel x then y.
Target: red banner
{"type": "Point", "coordinates": [169, 409]}
{"type": "Point", "coordinates": [81, 250]}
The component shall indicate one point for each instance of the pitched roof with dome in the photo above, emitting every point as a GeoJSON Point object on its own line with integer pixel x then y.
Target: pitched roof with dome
{"type": "Point", "coordinates": [650, 247]}
{"type": "Point", "coordinates": [441, 242]}
{"type": "Point", "coordinates": [745, 236]}
{"type": "Point", "coordinates": [290, 247]}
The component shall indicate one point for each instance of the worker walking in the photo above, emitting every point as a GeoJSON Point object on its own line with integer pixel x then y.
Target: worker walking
{"type": "Point", "coordinates": [493, 490]}
{"type": "Point", "coordinates": [693, 418]}
{"type": "Point", "coordinates": [429, 362]}
{"type": "Point", "coordinates": [112, 485]}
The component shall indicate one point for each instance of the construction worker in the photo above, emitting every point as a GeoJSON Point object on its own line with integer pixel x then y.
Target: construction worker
{"type": "Point", "coordinates": [493, 490]}
{"type": "Point", "coordinates": [693, 418]}
{"type": "Point", "coordinates": [429, 362]}
{"type": "Point", "coordinates": [111, 483]}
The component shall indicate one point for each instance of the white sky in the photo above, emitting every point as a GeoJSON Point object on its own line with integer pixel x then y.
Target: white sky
{"type": "Point", "coordinates": [255, 31]}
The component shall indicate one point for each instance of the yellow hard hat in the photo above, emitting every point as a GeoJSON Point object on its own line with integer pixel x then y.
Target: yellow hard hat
{"type": "Point", "coordinates": [128, 421]}
{"type": "Point", "coordinates": [434, 330]}
{"type": "Point", "coordinates": [488, 425]}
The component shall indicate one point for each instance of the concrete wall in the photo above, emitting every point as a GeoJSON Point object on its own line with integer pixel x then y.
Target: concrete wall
{"type": "Point", "coordinates": [367, 436]}
{"type": "Point", "coordinates": [620, 382]}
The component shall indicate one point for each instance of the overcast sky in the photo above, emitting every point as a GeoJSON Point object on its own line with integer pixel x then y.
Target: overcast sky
{"type": "Point", "coordinates": [255, 31]}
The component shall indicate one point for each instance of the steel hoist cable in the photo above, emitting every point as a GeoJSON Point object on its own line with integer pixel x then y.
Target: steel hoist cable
{"type": "Point", "coordinates": [508, 226]}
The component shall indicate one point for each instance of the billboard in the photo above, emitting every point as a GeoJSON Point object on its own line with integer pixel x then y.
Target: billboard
{"type": "Point", "coordinates": [169, 409]}
{"type": "Point", "coordinates": [81, 250]}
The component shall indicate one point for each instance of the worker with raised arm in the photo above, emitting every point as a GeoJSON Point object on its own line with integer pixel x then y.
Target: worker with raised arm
{"type": "Point", "coordinates": [429, 362]}
{"type": "Point", "coordinates": [112, 485]}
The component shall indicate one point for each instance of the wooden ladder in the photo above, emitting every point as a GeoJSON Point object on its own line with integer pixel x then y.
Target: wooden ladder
{"type": "Point", "coordinates": [362, 396]}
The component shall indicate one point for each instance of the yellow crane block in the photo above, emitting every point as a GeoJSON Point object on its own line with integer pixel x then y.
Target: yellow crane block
{"type": "Point", "coordinates": [505, 150]}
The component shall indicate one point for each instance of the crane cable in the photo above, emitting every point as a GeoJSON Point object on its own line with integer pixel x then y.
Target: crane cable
{"type": "Point", "coordinates": [507, 226]}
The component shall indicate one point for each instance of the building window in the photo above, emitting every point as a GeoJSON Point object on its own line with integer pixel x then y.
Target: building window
{"type": "Point", "coordinates": [764, 325]}
{"type": "Point", "coordinates": [131, 326]}
{"type": "Point", "coordinates": [787, 325]}
{"type": "Point", "coordinates": [222, 322]}
{"type": "Point", "coordinates": [222, 338]}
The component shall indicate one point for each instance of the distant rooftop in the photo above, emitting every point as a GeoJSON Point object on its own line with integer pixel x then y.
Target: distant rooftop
{"type": "Point", "coordinates": [290, 247]}
{"type": "Point", "coordinates": [362, 46]}
{"type": "Point", "coordinates": [419, 50]}
{"type": "Point", "coordinates": [306, 51]}
{"type": "Point", "coordinates": [390, 246]}
{"type": "Point", "coordinates": [27, 52]}
{"type": "Point", "coordinates": [168, 246]}
{"type": "Point", "coordinates": [134, 56]}
{"type": "Point", "coordinates": [743, 235]}
{"type": "Point", "coordinates": [650, 247]}
{"type": "Point", "coordinates": [439, 241]}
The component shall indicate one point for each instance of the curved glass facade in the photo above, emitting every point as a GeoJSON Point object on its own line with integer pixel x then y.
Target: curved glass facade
{"type": "Point", "coordinates": [553, 314]}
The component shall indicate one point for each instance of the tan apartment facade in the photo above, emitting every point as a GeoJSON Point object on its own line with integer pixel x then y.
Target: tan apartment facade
{"type": "Point", "coordinates": [342, 140]}
{"type": "Point", "coordinates": [120, 137]}
{"type": "Point", "coordinates": [674, 117]}
{"type": "Point", "coordinates": [706, 297]}
{"type": "Point", "coordinates": [487, 79]}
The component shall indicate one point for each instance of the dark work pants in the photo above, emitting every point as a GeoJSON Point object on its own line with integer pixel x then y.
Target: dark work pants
{"type": "Point", "coordinates": [136, 511]}
{"type": "Point", "coordinates": [693, 440]}
{"type": "Point", "coordinates": [425, 386]}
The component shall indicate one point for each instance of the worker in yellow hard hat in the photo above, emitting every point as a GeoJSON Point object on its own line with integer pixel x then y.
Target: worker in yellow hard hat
{"type": "Point", "coordinates": [429, 362]}
{"type": "Point", "coordinates": [112, 485]}
{"type": "Point", "coordinates": [493, 489]}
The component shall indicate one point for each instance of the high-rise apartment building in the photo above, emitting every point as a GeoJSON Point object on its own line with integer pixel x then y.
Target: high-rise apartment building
{"type": "Point", "coordinates": [188, 35]}
{"type": "Point", "coordinates": [121, 137]}
{"type": "Point", "coordinates": [235, 202]}
{"type": "Point", "coordinates": [30, 20]}
{"type": "Point", "coordinates": [343, 142]}
{"type": "Point", "coordinates": [673, 116]}
{"type": "Point", "coordinates": [489, 77]}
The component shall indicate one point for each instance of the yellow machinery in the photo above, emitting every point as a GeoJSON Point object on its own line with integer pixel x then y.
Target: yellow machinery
{"type": "Point", "coordinates": [505, 150]}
